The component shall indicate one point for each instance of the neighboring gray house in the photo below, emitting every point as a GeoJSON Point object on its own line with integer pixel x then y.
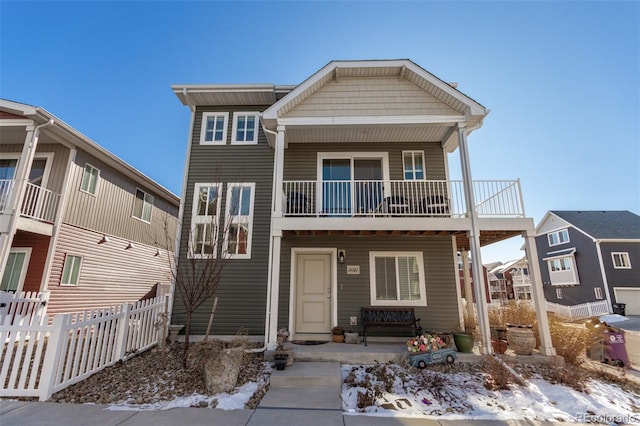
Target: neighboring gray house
{"type": "Point", "coordinates": [590, 257]}
{"type": "Point", "coordinates": [75, 220]}
{"type": "Point", "coordinates": [342, 199]}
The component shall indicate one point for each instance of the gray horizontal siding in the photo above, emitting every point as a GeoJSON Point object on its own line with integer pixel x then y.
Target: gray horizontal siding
{"type": "Point", "coordinates": [243, 286]}
{"type": "Point", "coordinates": [301, 160]}
{"type": "Point", "coordinates": [441, 312]}
{"type": "Point", "coordinates": [110, 273]}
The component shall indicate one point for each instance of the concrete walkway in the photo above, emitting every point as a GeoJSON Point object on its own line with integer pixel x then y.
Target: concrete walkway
{"type": "Point", "coordinates": [17, 413]}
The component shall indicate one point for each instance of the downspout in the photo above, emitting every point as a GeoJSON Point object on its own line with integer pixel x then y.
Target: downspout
{"type": "Point", "coordinates": [27, 155]}
{"type": "Point", "coordinates": [267, 322]}
{"type": "Point", "coordinates": [605, 283]}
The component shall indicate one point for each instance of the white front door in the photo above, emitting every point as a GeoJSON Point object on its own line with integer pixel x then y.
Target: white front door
{"type": "Point", "coordinates": [313, 293]}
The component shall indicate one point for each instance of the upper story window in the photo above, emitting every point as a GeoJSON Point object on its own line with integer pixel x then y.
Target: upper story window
{"type": "Point", "coordinates": [142, 206]}
{"type": "Point", "coordinates": [214, 128]}
{"type": "Point", "coordinates": [558, 237]}
{"type": "Point", "coordinates": [562, 270]}
{"type": "Point", "coordinates": [598, 293]}
{"type": "Point", "coordinates": [71, 270]}
{"type": "Point", "coordinates": [239, 221]}
{"type": "Point", "coordinates": [245, 128]}
{"type": "Point", "coordinates": [204, 221]}
{"type": "Point", "coordinates": [90, 179]}
{"type": "Point", "coordinates": [413, 165]}
{"type": "Point", "coordinates": [621, 260]}
{"type": "Point", "coordinates": [397, 279]}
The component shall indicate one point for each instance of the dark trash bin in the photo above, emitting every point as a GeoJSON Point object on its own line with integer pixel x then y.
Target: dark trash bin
{"type": "Point", "coordinates": [619, 308]}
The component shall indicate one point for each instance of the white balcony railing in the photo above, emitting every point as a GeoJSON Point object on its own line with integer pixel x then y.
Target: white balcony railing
{"type": "Point", "coordinates": [38, 203]}
{"type": "Point", "coordinates": [371, 198]}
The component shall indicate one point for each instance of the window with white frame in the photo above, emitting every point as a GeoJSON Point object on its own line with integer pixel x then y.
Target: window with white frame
{"type": "Point", "coordinates": [397, 279]}
{"type": "Point", "coordinates": [214, 128]}
{"type": "Point", "coordinates": [559, 293]}
{"type": "Point", "coordinates": [239, 220]}
{"type": "Point", "coordinates": [204, 220]}
{"type": "Point", "coordinates": [245, 128]}
{"type": "Point", "coordinates": [562, 270]}
{"type": "Point", "coordinates": [71, 270]}
{"type": "Point", "coordinates": [413, 163]}
{"type": "Point", "coordinates": [598, 292]}
{"type": "Point", "coordinates": [142, 206]}
{"type": "Point", "coordinates": [558, 237]}
{"type": "Point", "coordinates": [90, 177]}
{"type": "Point", "coordinates": [621, 260]}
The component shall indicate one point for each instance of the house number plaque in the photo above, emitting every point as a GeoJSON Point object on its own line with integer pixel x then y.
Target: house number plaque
{"type": "Point", "coordinates": [353, 269]}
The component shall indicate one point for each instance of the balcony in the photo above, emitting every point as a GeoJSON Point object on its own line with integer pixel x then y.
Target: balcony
{"type": "Point", "coordinates": [37, 203]}
{"type": "Point", "coordinates": [394, 198]}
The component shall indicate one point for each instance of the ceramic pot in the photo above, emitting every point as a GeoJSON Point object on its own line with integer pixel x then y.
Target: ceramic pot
{"type": "Point", "coordinates": [521, 339]}
{"type": "Point", "coordinates": [464, 342]}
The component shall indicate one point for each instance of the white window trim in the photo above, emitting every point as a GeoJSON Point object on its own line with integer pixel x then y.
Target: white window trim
{"type": "Point", "coordinates": [421, 278]}
{"type": "Point", "coordinates": [234, 129]}
{"type": "Point", "coordinates": [624, 257]}
{"type": "Point", "coordinates": [560, 231]}
{"type": "Point", "coordinates": [245, 219]}
{"type": "Point", "coordinates": [144, 200]}
{"type": "Point", "coordinates": [574, 270]}
{"type": "Point", "coordinates": [66, 257]}
{"type": "Point", "coordinates": [38, 156]}
{"type": "Point", "coordinates": [25, 266]}
{"type": "Point", "coordinates": [559, 294]}
{"type": "Point", "coordinates": [203, 128]}
{"type": "Point", "coordinates": [84, 169]}
{"type": "Point", "coordinates": [598, 293]}
{"type": "Point", "coordinates": [424, 167]}
{"type": "Point", "coordinates": [204, 219]}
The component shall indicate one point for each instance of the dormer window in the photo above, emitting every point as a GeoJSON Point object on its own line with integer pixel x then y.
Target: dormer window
{"type": "Point", "coordinates": [558, 237]}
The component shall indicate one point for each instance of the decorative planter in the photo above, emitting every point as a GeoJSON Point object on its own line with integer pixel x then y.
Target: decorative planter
{"type": "Point", "coordinates": [350, 337]}
{"type": "Point", "coordinates": [498, 333]}
{"type": "Point", "coordinates": [338, 338]}
{"type": "Point", "coordinates": [280, 361]}
{"type": "Point", "coordinates": [464, 342]}
{"type": "Point", "coordinates": [521, 339]}
{"type": "Point", "coordinates": [499, 346]}
{"type": "Point", "coordinates": [174, 329]}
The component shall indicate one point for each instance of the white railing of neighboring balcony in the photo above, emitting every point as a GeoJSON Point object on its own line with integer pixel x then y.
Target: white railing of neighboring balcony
{"type": "Point", "coordinates": [374, 198]}
{"type": "Point", "coordinates": [40, 203]}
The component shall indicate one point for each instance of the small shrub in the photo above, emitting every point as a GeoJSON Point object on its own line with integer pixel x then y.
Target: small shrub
{"type": "Point", "coordinates": [497, 377]}
{"type": "Point", "coordinates": [570, 341]}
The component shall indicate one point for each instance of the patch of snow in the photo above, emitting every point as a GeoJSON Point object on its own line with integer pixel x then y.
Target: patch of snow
{"type": "Point", "coordinates": [611, 318]}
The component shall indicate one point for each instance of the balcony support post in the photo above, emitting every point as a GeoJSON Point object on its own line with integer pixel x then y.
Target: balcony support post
{"type": "Point", "coordinates": [278, 172]}
{"type": "Point", "coordinates": [474, 243]}
{"type": "Point", "coordinates": [537, 293]}
{"type": "Point", "coordinates": [17, 193]}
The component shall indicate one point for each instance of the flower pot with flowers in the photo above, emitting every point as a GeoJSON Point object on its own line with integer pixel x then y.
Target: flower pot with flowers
{"type": "Point", "coordinates": [429, 349]}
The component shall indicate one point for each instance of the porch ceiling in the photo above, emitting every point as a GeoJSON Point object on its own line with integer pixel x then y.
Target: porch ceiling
{"type": "Point", "coordinates": [462, 240]}
{"type": "Point", "coordinates": [349, 134]}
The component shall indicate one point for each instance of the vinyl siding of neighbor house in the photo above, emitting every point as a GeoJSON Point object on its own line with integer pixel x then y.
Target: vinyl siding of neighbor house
{"type": "Point", "coordinates": [243, 286]}
{"type": "Point", "coordinates": [301, 160]}
{"type": "Point", "coordinates": [367, 96]}
{"type": "Point", "coordinates": [441, 312]}
{"type": "Point", "coordinates": [110, 273]}
{"type": "Point", "coordinates": [587, 264]}
{"type": "Point", "coordinates": [110, 211]}
{"type": "Point", "coordinates": [621, 277]}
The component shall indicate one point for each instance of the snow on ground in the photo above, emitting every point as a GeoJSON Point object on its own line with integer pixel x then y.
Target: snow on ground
{"type": "Point", "coordinates": [438, 395]}
{"type": "Point", "coordinates": [612, 318]}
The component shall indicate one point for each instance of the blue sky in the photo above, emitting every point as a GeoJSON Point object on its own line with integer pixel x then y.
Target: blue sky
{"type": "Point", "coordinates": [562, 79]}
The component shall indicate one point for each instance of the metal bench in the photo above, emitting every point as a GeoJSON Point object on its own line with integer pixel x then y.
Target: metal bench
{"type": "Point", "coordinates": [389, 317]}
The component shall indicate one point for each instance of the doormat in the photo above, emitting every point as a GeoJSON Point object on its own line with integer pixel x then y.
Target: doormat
{"type": "Point", "coordinates": [309, 342]}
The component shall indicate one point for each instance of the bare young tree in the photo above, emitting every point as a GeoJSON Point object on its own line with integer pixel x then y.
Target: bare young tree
{"type": "Point", "coordinates": [209, 243]}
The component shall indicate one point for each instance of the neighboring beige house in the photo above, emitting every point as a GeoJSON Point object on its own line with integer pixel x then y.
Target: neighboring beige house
{"type": "Point", "coordinates": [75, 220]}
{"type": "Point", "coordinates": [345, 200]}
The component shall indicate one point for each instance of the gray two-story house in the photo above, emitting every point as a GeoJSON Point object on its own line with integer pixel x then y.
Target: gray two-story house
{"type": "Point", "coordinates": [75, 220]}
{"type": "Point", "coordinates": [335, 194]}
{"type": "Point", "coordinates": [591, 258]}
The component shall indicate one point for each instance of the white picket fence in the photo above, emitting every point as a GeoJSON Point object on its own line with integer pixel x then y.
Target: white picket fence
{"type": "Point", "coordinates": [39, 359]}
{"type": "Point", "coordinates": [584, 310]}
{"type": "Point", "coordinates": [23, 308]}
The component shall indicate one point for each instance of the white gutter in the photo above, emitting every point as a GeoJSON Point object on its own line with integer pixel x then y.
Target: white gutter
{"type": "Point", "coordinates": [605, 283]}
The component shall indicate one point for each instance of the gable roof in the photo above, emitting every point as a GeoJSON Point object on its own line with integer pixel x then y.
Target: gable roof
{"type": "Point", "coordinates": [603, 225]}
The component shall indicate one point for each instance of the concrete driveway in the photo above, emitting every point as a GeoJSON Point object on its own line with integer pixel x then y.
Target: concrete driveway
{"type": "Point", "coordinates": [631, 329]}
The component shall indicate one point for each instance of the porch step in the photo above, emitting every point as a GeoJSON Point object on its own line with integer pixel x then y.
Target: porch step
{"type": "Point", "coordinates": [308, 375]}
{"type": "Point", "coordinates": [305, 385]}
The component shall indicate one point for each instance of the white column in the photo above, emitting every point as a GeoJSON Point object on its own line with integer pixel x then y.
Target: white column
{"type": "Point", "coordinates": [474, 244]}
{"type": "Point", "coordinates": [278, 172]}
{"type": "Point", "coordinates": [537, 293]}
{"type": "Point", "coordinates": [274, 297]}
